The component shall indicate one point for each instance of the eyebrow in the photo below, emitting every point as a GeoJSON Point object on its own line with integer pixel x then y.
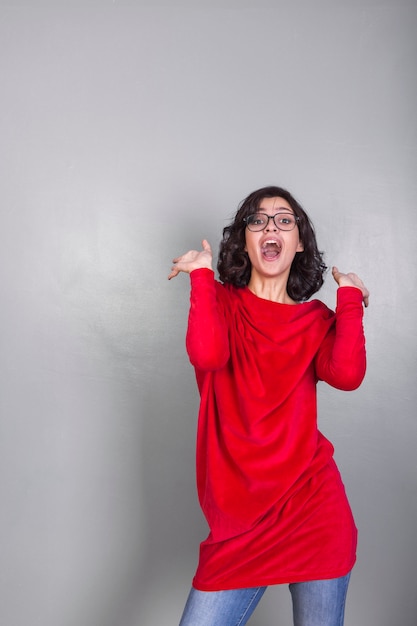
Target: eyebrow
{"type": "Point", "coordinates": [278, 210]}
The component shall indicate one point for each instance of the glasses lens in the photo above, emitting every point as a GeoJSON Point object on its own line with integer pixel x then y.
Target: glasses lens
{"type": "Point", "coordinates": [257, 221]}
{"type": "Point", "coordinates": [285, 221]}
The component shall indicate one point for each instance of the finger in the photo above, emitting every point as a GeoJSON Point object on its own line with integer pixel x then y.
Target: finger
{"type": "Point", "coordinates": [174, 272]}
{"type": "Point", "coordinates": [206, 246]}
{"type": "Point", "coordinates": [182, 257]}
{"type": "Point", "coordinates": [335, 273]}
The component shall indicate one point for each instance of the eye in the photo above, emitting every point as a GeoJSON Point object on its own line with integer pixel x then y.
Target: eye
{"type": "Point", "coordinates": [286, 219]}
{"type": "Point", "coordinates": [258, 218]}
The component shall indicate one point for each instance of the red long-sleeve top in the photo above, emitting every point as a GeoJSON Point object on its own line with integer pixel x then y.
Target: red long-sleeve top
{"type": "Point", "coordinates": [267, 482]}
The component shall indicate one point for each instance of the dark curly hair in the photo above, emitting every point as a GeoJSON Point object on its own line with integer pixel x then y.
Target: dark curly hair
{"type": "Point", "coordinates": [307, 269]}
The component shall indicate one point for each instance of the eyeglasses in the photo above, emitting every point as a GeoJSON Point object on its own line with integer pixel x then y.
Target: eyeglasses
{"type": "Point", "coordinates": [259, 221]}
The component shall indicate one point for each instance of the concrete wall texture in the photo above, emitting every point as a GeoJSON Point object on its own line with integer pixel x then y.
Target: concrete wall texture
{"type": "Point", "coordinates": [130, 131]}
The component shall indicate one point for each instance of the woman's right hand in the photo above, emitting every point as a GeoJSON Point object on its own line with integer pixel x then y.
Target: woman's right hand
{"type": "Point", "coordinates": [192, 260]}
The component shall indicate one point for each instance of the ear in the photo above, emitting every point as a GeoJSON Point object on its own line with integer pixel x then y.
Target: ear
{"type": "Point", "coordinates": [300, 247]}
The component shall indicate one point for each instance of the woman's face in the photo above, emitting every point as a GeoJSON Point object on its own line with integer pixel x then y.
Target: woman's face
{"type": "Point", "coordinates": [271, 251]}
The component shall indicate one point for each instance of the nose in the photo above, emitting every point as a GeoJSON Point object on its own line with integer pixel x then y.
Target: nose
{"type": "Point", "coordinates": [271, 223]}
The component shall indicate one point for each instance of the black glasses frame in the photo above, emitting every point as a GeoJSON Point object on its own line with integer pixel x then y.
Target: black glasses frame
{"type": "Point", "coordinates": [271, 217]}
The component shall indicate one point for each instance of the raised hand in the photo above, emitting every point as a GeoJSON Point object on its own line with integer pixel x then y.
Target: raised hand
{"type": "Point", "coordinates": [351, 280]}
{"type": "Point", "coordinates": [192, 260]}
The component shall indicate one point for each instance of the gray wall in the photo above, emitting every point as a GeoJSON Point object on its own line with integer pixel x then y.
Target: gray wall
{"type": "Point", "coordinates": [130, 131]}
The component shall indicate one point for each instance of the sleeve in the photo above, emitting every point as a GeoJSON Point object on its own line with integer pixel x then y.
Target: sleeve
{"type": "Point", "coordinates": [341, 358]}
{"type": "Point", "coordinates": [207, 340]}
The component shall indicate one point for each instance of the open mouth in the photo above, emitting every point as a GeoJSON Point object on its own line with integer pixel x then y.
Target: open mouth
{"type": "Point", "coordinates": [271, 249]}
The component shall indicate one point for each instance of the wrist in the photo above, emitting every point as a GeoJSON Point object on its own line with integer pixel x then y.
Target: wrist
{"type": "Point", "coordinates": [201, 267]}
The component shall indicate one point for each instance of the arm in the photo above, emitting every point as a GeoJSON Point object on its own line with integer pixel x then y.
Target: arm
{"type": "Point", "coordinates": [207, 337]}
{"type": "Point", "coordinates": [341, 358]}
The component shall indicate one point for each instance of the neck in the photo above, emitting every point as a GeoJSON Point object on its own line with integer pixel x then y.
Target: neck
{"type": "Point", "coordinates": [270, 290]}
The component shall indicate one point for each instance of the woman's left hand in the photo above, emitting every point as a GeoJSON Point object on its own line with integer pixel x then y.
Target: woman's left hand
{"type": "Point", "coordinates": [351, 280]}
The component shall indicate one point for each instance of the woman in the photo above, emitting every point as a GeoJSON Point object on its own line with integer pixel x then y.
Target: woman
{"type": "Point", "coordinates": [266, 478]}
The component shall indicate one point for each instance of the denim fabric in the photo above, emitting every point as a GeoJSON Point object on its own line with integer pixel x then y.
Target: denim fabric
{"type": "Point", "coordinates": [320, 602]}
{"type": "Point", "coordinates": [218, 608]}
{"type": "Point", "coordinates": [316, 603]}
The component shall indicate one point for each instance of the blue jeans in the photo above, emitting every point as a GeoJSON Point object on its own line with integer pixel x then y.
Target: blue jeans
{"type": "Point", "coordinates": [316, 603]}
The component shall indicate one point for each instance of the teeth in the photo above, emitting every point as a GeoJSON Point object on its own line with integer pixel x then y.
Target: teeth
{"type": "Point", "coordinates": [271, 241]}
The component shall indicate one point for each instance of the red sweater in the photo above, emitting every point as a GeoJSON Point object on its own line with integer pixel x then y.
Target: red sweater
{"type": "Point", "coordinates": [267, 483]}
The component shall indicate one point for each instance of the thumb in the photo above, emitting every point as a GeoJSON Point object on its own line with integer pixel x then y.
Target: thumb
{"type": "Point", "coordinates": [206, 246]}
{"type": "Point", "coordinates": [335, 273]}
